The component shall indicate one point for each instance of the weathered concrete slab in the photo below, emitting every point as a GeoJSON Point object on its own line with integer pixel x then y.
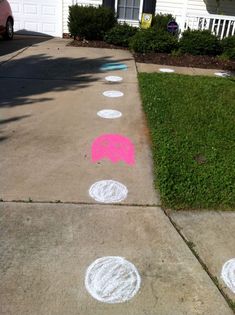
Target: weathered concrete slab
{"type": "Point", "coordinates": [49, 120]}
{"type": "Point", "coordinates": [46, 249]}
{"type": "Point", "coordinates": [213, 236]}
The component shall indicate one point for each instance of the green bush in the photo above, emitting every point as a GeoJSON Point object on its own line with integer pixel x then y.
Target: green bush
{"type": "Point", "coordinates": [228, 45]}
{"type": "Point", "coordinates": [176, 53]}
{"type": "Point", "coordinates": [198, 42]}
{"type": "Point", "coordinates": [228, 54]}
{"type": "Point", "coordinates": [228, 42]}
{"type": "Point", "coordinates": [120, 35]}
{"type": "Point", "coordinates": [160, 21]}
{"type": "Point", "coordinates": [152, 41]}
{"type": "Point", "coordinates": [90, 22]}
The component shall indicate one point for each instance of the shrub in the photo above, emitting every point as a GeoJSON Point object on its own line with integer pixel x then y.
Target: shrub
{"type": "Point", "coordinates": [198, 42]}
{"type": "Point", "coordinates": [160, 21]}
{"type": "Point", "coordinates": [120, 34]}
{"type": "Point", "coordinates": [176, 53]}
{"type": "Point", "coordinates": [228, 54]}
{"type": "Point", "coordinates": [90, 22]}
{"type": "Point", "coordinates": [228, 42]}
{"type": "Point", "coordinates": [151, 41]}
{"type": "Point", "coordinates": [228, 45]}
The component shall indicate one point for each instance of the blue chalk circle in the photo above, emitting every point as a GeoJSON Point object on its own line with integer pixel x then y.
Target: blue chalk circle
{"type": "Point", "coordinates": [113, 66]}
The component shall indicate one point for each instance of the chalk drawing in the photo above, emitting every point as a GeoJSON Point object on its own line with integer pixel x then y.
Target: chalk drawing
{"type": "Point", "coordinates": [109, 113]}
{"type": "Point", "coordinates": [113, 93]}
{"type": "Point", "coordinates": [166, 70]}
{"type": "Point", "coordinates": [113, 78]}
{"type": "Point", "coordinates": [114, 147]}
{"type": "Point", "coordinates": [113, 66]}
{"type": "Point", "coordinates": [112, 279]}
{"type": "Point", "coordinates": [228, 274]}
{"type": "Point", "coordinates": [108, 191]}
{"type": "Point", "coordinates": [222, 74]}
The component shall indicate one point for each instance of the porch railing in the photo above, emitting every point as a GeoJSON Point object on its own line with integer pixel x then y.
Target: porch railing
{"type": "Point", "coordinates": [220, 25]}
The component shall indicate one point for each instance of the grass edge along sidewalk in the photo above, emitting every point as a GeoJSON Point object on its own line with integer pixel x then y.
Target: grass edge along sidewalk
{"type": "Point", "coordinates": [191, 121]}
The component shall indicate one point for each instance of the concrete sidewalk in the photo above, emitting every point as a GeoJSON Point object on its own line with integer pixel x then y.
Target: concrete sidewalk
{"type": "Point", "coordinates": [149, 68]}
{"type": "Point", "coordinates": [211, 235]}
{"type": "Point", "coordinates": [47, 249]}
{"type": "Point", "coordinates": [50, 96]}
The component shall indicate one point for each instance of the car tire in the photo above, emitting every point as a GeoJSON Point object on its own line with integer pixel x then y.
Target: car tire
{"type": "Point", "coordinates": [9, 29]}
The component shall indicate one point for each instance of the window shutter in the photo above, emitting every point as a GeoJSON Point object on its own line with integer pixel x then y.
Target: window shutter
{"type": "Point", "coordinates": [149, 6]}
{"type": "Point", "coordinates": [109, 4]}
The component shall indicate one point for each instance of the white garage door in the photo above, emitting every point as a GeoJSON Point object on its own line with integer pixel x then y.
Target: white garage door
{"type": "Point", "coordinates": [38, 17]}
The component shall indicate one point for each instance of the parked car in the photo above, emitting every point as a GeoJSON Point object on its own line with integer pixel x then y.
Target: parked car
{"type": "Point", "coordinates": [6, 20]}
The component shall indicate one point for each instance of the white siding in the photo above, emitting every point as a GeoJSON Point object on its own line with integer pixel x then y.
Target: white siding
{"type": "Point", "coordinates": [176, 7]}
{"type": "Point", "coordinates": [67, 3]}
{"type": "Point", "coordinates": [199, 6]}
{"type": "Point", "coordinates": [89, 2]}
{"type": "Point", "coordinates": [227, 7]}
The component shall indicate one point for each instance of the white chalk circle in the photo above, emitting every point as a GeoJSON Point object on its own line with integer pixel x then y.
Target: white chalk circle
{"type": "Point", "coordinates": [113, 78]}
{"type": "Point", "coordinates": [166, 70]}
{"type": "Point", "coordinates": [222, 74]}
{"type": "Point", "coordinates": [112, 279]}
{"type": "Point", "coordinates": [113, 93]}
{"type": "Point", "coordinates": [109, 113]}
{"type": "Point", "coordinates": [108, 191]}
{"type": "Point", "coordinates": [228, 274]}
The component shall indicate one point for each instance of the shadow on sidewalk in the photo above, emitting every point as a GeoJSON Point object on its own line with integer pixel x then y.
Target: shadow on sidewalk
{"type": "Point", "coordinates": [23, 79]}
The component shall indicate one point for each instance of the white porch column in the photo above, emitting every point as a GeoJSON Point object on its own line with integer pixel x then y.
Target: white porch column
{"type": "Point", "coordinates": [184, 15]}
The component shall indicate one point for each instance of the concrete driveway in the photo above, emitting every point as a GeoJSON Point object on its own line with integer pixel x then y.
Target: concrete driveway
{"type": "Point", "coordinates": [52, 229]}
{"type": "Point", "coordinates": [10, 48]}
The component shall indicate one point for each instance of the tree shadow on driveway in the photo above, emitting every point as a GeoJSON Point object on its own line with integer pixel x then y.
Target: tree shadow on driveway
{"type": "Point", "coordinates": [12, 119]}
{"type": "Point", "coordinates": [24, 78]}
{"type": "Point", "coordinates": [19, 42]}
{"type": "Point", "coordinates": [5, 134]}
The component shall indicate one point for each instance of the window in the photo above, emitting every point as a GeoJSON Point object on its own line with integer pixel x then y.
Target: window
{"type": "Point", "coordinates": [128, 9]}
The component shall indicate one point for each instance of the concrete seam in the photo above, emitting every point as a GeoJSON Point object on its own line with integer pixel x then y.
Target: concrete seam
{"type": "Point", "coordinates": [79, 203]}
{"type": "Point", "coordinates": [17, 54]}
{"type": "Point", "coordinates": [201, 262]}
{"type": "Point", "coordinates": [50, 79]}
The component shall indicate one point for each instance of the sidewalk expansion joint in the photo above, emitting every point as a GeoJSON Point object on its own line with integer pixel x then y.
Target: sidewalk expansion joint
{"type": "Point", "coordinates": [191, 246]}
{"type": "Point", "coordinates": [16, 55]}
{"type": "Point", "coordinates": [30, 201]}
{"type": "Point", "coordinates": [57, 79]}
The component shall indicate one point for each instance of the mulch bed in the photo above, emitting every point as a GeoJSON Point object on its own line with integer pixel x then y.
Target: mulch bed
{"type": "Point", "coordinates": [94, 44]}
{"type": "Point", "coordinates": [206, 62]}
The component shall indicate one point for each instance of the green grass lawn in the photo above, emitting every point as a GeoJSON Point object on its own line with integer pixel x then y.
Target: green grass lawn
{"type": "Point", "coordinates": [192, 124]}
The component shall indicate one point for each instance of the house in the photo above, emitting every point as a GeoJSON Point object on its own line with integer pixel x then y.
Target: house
{"type": "Point", "coordinates": [50, 16]}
